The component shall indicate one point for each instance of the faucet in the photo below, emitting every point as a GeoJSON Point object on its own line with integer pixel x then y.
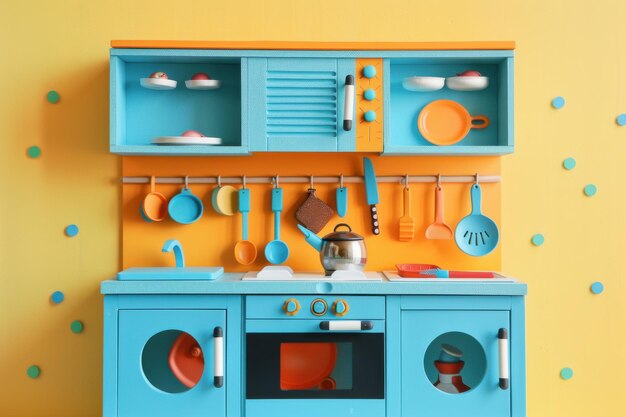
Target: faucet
{"type": "Point", "coordinates": [174, 245]}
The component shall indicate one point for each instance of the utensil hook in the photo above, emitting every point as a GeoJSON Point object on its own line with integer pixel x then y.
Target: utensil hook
{"type": "Point", "coordinates": [152, 182]}
{"type": "Point", "coordinates": [311, 182]}
{"type": "Point", "coordinates": [243, 181]}
{"type": "Point", "coordinates": [476, 179]}
{"type": "Point", "coordinates": [340, 180]}
{"type": "Point", "coordinates": [186, 181]}
{"type": "Point", "coordinates": [406, 181]}
{"type": "Point", "coordinates": [275, 181]}
{"type": "Point", "coordinates": [219, 180]}
{"type": "Point", "coordinates": [439, 181]}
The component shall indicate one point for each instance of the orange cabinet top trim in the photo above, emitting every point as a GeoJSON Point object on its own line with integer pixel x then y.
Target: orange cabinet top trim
{"type": "Point", "coordinates": [320, 46]}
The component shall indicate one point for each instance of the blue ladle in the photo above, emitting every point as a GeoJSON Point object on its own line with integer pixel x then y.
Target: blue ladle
{"type": "Point", "coordinates": [277, 251]}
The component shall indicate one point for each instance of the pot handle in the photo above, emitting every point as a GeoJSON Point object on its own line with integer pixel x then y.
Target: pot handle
{"type": "Point", "coordinates": [342, 224]}
{"type": "Point", "coordinates": [483, 119]}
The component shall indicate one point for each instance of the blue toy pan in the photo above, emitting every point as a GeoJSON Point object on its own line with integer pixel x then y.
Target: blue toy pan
{"type": "Point", "coordinates": [476, 234]}
{"type": "Point", "coordinates": [185, 208]}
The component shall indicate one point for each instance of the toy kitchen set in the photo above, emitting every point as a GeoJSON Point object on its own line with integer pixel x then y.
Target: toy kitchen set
{"type": "Point", "coordinates": [284, 245]}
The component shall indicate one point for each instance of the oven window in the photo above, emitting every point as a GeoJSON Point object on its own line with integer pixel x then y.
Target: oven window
{"type": "Point", "coordinates": [315, 366]}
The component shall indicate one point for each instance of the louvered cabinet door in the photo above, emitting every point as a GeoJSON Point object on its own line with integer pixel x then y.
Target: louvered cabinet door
{"type": "Point", "coordinates": [297, 105]}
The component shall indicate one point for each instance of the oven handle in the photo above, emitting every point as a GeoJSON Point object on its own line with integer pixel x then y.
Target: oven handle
{"type": "Point", "coordinates": [348, 104]}
{"type": "Point", "coordinates": [346, 325]}
{"type": "Point", "coordinates": [218, 357]}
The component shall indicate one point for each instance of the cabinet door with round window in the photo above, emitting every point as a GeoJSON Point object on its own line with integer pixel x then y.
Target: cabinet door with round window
{"type": "Point", "coordinates": [171, 363]}
{"type": "Point", "coordinates": [455, 363]}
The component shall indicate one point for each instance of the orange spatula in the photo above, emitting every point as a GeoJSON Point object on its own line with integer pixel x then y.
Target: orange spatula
{"type": "Point", "coordinates": [438, 229]}
{"type": "Point", "coordinates": [407, 223]}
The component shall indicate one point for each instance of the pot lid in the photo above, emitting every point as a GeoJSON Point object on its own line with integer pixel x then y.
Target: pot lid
{"type": "Point", "coordinates": [340, 236]}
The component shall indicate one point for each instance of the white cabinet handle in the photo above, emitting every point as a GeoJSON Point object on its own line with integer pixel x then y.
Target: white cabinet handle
{"type": "Point", "coordinates": [218, 357]}
{"type": "Point", "coordinates": [348, 104]}
{"type": "Point", "coordinates": [346, 325]}
{"type": "Point", "coordinates": [503, 348]}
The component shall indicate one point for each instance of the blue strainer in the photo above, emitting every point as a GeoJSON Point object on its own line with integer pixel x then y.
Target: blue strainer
{"type": "Point", "coordinates": [476, 234]}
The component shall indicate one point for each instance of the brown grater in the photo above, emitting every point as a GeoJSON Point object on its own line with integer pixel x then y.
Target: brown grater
{"type": "Point", "coordinates": [313, 213]}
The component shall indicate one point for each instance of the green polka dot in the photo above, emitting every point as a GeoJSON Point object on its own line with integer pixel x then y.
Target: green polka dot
{"type": "Point", "coordinates": [597, 287]}
{"type": "Point", "coordinates": [33, 371]}
{"type": "Point", "coordinates": [567, 373]}
{"type": "Point", "coordinates": [77, 326]}
{"type": "Point", "coordinates": [590, 190]}
{"type": "Point", "coordinates": [569, 163]}
{"type": "Point", "coordinates": [537, 239]}
{"type": "Point", "coordinates": [34, 151]}
{"type": "Point", "coordinates": [53, 97]}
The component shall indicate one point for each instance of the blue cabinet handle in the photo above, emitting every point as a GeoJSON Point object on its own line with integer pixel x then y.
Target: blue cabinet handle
{"type": "Point", "coordinates": [503, 349]}
{"type": "Point", "coordinates": [218, 357]}
{"type": "Point", "coordinates": [348, 104]}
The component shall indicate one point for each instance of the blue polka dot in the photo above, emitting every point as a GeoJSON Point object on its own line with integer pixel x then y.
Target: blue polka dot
{"type": "Point", "coordinates": [369, 94]}
{"type": "Point", "coordinates": [57, 297]}
{"type": "Point", "coordinates": [569, 163]}
{"type": "Point", "coordinates": [597, 287]}
{"type": "Point", "coordinates": [621, 119]}
{"type": "Point", "coordinates": [558, 102]}
{"type": "Point", "coordinates": [537, 239]}
{"type": "Point", "coordinates": [567, 373]}
{"type": "Point", "coordinates": [71, 230]}
{"type": "Point", "coordinates": [590, 190]}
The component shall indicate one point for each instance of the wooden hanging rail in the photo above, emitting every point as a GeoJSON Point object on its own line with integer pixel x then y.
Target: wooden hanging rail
{"type": "Point", "coordinates": [321, 179]}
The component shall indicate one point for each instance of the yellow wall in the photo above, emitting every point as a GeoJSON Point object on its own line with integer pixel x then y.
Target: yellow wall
{"type": "Point", "coordinates": [573, 49]}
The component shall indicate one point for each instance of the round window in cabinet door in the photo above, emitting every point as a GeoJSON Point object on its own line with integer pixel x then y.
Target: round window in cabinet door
{"type": "Point", "coordinates": [171, 363]}
{"type": "Point", "coordinates": [455, 363]}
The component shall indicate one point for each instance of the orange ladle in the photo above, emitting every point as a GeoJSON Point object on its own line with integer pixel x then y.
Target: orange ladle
{"type": "Point", "coordinates": [245, 251]}
{"type": "Point", "coordinates": [154, 206]}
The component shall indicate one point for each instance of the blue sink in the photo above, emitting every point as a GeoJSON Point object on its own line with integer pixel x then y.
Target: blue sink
{"type": "Point", "coordinates": [189, 273]}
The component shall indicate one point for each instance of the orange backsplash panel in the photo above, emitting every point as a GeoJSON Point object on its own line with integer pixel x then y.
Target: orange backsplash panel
{"type": "Point", "coordinates": [211, 240]}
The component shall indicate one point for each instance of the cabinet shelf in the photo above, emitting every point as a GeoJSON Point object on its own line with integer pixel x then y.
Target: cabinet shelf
{"type": "Point", "coordinates": [139, 114]}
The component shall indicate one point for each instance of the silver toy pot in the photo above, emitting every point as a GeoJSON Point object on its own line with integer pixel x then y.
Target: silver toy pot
{"type": "Point", "coordinates": [340, 250]}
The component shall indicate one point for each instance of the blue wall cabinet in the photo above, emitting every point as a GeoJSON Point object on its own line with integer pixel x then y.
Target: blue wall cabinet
{"type": "Point", "coordinates": [147, 385]}
{"type": "Point", "coordinates": [293, 101]}
{"type": "Point", "coordinates": [141, 115]}
{"type": "Point", "coordinates": [297, 104]}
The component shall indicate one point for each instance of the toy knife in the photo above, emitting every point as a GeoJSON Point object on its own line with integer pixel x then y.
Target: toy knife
{"type": "Point", "coordinates": [371, 191]}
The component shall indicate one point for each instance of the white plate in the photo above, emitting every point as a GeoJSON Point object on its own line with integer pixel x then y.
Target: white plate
{"type": "Point", "coordinates": [186, 140]}
{"type": "Point", "coordinates": [203, 84]}
{"type": "Point", "coordinates": [423, 84]}
{"type": "Point", "coordinates": [158, 83]}
{"type": "Point", "coordinates": [471, 83]}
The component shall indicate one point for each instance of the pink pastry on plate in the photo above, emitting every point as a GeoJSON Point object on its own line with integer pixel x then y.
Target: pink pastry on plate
{"type": "Point", "coordinates": [202, 81]}
{"type": "Point", "coordinates": [158, 80]}
{"type": "Point", "coordinates": [469, 80]}
{"type": "Point", "coordinates": [192, 134]}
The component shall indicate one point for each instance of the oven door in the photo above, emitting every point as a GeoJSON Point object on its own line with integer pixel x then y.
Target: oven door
{"type": "Point", "coordinates": [340, 362]}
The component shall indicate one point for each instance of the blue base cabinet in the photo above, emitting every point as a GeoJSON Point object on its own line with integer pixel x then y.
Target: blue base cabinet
{"type": "Point", "coordinates": [142, 335]}
{"type": "Point", "coordinates": [447, 359]}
